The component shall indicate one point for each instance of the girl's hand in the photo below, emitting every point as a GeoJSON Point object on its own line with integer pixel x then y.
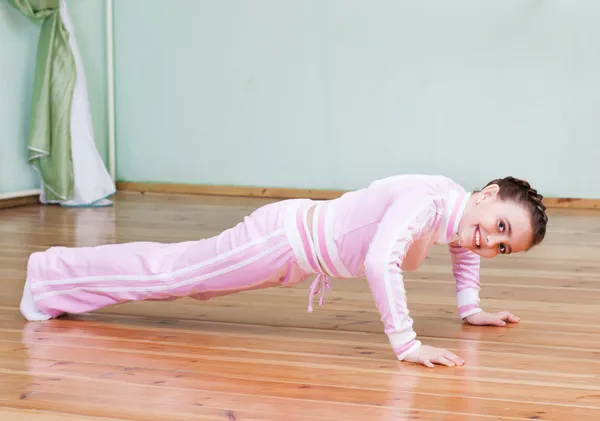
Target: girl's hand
{"type": "Point", "coordinates": [428, 355]}
{"type": "Point", "coordinates": [493, 319]}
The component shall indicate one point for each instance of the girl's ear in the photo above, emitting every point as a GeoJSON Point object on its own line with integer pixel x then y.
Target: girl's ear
{"type": "Point", "coordinates": [490, 192]}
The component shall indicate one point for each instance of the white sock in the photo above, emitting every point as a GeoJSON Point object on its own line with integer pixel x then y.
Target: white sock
{"type": "Point", "coordinates": [28, 308]}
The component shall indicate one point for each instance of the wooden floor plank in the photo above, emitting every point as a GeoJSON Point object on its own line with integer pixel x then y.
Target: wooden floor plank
{"type": "Point", "coordinates": [14, 414]}
{"type": "Point", "coordinates": [261, 356]}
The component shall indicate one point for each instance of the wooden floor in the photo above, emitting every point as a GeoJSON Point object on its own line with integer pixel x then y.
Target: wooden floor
{"type": "Point", "coordinates": [261, 356]}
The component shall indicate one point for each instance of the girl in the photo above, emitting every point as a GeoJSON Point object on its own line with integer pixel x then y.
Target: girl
{"type": "Point", "coordinates": [376, 232]}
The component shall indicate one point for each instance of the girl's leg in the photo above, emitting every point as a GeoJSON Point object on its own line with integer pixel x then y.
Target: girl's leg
{"type": "Point", "coordinates": [29, 309]}
{"type": "Point", "coordinates": [256, 253]}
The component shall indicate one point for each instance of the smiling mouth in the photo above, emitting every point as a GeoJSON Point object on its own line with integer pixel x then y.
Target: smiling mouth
{"type": "Point", "coordinates": [477, 237]}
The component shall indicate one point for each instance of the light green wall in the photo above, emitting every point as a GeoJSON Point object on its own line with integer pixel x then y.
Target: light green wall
{"type": "Point", "coordinates": [18, 38]}
{"type": "Point", "coordinates": [329, 94]}
{"type": "Point", "coordinates": [18, 45]}
{"type": "Point", "coordinates": [333, 94]}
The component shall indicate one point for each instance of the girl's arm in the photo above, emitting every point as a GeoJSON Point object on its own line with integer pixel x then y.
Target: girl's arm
{"type": "Point", "coordinates": [401, 225]}
{"type": "Point", "coordinates": [465, 267]}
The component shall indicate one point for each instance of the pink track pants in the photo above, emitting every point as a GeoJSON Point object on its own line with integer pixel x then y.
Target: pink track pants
{"type": "Point", "coordinates": [268, 248]}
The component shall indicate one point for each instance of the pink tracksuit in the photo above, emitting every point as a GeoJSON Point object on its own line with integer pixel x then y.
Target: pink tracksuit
{"type": "Point", "coordinates": [376, 232]}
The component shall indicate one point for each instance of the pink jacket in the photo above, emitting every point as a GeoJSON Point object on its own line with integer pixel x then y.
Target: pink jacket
{"type": "Point", "coordinates": [388, 227]}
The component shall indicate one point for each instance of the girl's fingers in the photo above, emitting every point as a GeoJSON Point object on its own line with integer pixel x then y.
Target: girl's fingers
{"type": "Point", "coordinates": [445, 361]}
{"type": "Point", "coordinates": [512, 318]}
{"type": "Point", "coordinates": [454, 358]}
{"type": "Point", "coordinates": [508, 316]}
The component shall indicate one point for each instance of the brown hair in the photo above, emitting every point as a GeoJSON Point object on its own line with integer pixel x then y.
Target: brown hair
{"type": "Point", "coordinates": [521, 192]}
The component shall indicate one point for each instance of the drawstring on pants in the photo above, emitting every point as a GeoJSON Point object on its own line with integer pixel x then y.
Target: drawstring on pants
{"type": "Point", "coordinates": [321, 283]}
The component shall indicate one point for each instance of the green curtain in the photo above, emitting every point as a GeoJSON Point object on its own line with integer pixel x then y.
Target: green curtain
{"type": "Point", "coordinates": [55, 75]}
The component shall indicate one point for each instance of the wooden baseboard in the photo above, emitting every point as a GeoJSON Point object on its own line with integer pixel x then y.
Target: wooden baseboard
{"type": "Point", "coordinates": [573, 203]}
{"type": "Point", "coordinates": [205, 190]}
{"type": "Point", "coordinates": [19, 201]}
{"type": "Point", "coordinates": [291, 193]}
{"type": "Point", "coordinates": [266, 192]}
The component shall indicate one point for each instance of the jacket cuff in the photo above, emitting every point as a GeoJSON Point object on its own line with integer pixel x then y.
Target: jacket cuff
{"type": "Point", "coordinates": [468, 302]}
{"type": "Point", "coordinates": [410, 347]}
{"type": "Point", "coordinates": [403, 343]}
{"type": "Point", "coordinates": [469, 311]}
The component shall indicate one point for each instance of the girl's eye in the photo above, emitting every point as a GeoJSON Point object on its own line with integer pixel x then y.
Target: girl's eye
{"type": "Point", "coordinates": [502, 249]}
{"type": "Point", "coordinates": [501, 226]}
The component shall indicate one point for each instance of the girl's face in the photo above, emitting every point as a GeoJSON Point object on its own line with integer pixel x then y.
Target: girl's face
{"type": "Point", "coordinates": [494, 226]}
